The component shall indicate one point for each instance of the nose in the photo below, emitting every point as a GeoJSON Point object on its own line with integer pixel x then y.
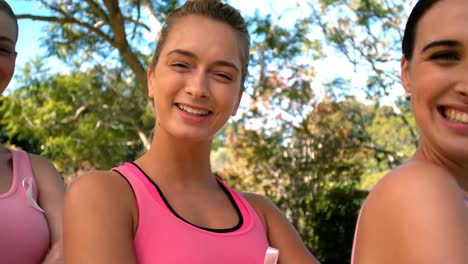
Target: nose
{"type": "Point", "coordinates": [197, 85]}
{"type": "Point", "coordinates": [462, 85]}
{"type": "Point", "coordinates": [463, 91]}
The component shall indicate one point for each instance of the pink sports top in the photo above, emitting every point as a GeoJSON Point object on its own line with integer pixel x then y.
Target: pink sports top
{"type": "Point", "coordinates": [165, 237]}
{"type": "Point", "coordinates": [24, 234]}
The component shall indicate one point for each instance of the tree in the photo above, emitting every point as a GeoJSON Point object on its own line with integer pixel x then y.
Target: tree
{"type": "Point", "coordinates": [82, 120]}
{"type": "Point", "coordinates": [311, 176]}
{"type": "Point", "coordinates": [368, 34]}
{"type": "Point", "coordinates": [305, 144]}
{"type": "Point", "coordinates": [108, 32]}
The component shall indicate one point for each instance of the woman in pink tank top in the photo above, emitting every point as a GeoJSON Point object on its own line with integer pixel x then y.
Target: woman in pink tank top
{"type": "Point", "coordinates": [167, 206]}
{"type": "Point", "coordinates": [31, 190]}
{"type": "Point", "coordinates": [418, 212]}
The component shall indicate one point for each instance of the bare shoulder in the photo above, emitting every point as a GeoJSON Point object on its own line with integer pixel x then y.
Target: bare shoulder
{"type": "Point", "coordinates": [49, 180]}
{"type": "Point", "coordinates": [104, 205]}
{"type": "Point", "coordinates": [415, 214]}
{"type": "Point", "coordinates": [42, 167]}
{"type": "Point", "coordinates": [260, 203]}
{"type": "Point", "coordinates": [263, 206]}
{"type": "Point", "coordinates": [281, 234]}
{"type": "Point", "coordinates": [99, 186]}
{"type": "Point", "coordinates": [416, 183]}
{"type": "Point", "coordinates": [101, 192]}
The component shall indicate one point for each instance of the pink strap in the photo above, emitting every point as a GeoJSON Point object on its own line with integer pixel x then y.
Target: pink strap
{"type": "Point", "coordinates": [24, 174]}
{"type": "Point", "coordinates": [271, 256]}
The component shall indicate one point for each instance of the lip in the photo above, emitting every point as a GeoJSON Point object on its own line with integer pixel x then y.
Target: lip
{"type": "Point", "coordinates": [193, 118]}
{"type": "Point", "coordinates": [458, 128]}
{"type": "Point", "coordinates": [196, 107]}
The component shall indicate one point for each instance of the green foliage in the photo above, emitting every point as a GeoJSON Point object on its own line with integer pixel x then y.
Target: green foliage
{"type": "Point", "coordinates": [81, 119]}
{"type": "Point", "coordinates": [311, 175]}
{"type": "Point", "coordinates": [311, 147]}
{"type": "Point", "coordinates": [336, 215]}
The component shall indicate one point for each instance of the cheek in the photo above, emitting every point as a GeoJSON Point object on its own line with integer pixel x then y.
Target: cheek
{"type": "Point", "coordinates": [7, 69]}
{"type": "Point", "coordinates": [430, 82]}
{"type": "Point", "coordinates": [228, 98]}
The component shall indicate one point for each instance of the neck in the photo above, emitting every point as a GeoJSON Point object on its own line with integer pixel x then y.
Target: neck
{"type": "Point", "coordinates": [173, 160]}
{"type": "Point", "coordinates": [457, 166]}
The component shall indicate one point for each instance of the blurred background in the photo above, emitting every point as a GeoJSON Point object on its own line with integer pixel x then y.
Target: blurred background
{"type": "Point", "coordinates": [323, 115]}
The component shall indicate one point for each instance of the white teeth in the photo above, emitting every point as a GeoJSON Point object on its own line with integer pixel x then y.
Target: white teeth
{"type": "Point", "coordinates": [193, 111]}
{"type": "Point", "coordinates": [456, 116]}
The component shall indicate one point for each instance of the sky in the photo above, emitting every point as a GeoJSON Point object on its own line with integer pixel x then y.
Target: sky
{"type": "Point", "coordinates": [31, 32]}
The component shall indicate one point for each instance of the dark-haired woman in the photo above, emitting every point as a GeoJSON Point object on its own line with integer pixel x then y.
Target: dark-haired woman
{"type": "Point", "coordinates": [418, 212]}
{"type": "Point", "coordinates": [31, 190]}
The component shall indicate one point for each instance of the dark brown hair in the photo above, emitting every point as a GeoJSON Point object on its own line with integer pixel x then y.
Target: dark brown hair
{"type": "Point", "coordinates": [421, 7]}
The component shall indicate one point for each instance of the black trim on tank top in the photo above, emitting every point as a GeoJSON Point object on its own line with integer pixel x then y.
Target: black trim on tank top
{"type": "Point", "coordinates": [125, 178]}
{"type": "Point", "coordinates": [214, 230]}
{"type": "Point", "coordinates": [133, 191]}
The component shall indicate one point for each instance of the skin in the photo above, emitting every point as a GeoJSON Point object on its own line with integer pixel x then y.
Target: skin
{"type": "Point", "coordinates": [49, 182]}
{"type": "Point", "coordinates": [190, 75]}
{"type": "Point", "coordinates": [417, 213]}
{"type": "Point", "coordinates": [7, 50]}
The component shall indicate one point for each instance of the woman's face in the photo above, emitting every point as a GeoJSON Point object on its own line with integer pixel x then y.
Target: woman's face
{"type": "Point", "coordinates": [196, 84]}
{"type": "Point", "coordinates": [8, 35]}
{"type": "Point", "coordinates": [437, 78]}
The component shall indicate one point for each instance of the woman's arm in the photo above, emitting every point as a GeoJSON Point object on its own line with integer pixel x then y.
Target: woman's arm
{"type": "Point", "coordinates": [51, 189]}
{"type": "Point", "coordinates": [99, 220]}
{"type": "Point", "coordinates": [281, 234]}
{"type": "Point", "coordinates": [416, 214]}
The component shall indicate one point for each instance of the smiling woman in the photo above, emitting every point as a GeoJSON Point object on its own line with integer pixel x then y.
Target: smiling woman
{"type": "Point", "coordinates": [28, 42]}
{"type": "Point", "coordinates": [31, 190]}
{"type": "Point", "coordinates": [168, 206]}
{"type": "Point", "coordinates": [418, 213]}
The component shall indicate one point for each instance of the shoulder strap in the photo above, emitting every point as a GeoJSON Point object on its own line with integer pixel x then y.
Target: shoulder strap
{"type": "Point", "coordinates": [24, 177]}
{"type": "Point", "coordinates": [21, 165]}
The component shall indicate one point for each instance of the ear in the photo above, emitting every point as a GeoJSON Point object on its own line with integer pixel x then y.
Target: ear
{"type": "Point", "coordinates": [405, 74]}
{"type": "Point", "coordinates": [236, 106]}
{"type": "Point", "coordinates": [149, 81]}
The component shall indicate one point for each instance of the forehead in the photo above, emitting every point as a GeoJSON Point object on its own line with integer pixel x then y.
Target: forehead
{"type": "Point", "coordinates": [7, 27]}
{"type": "Point", "coordinates": [204, 37]}
{"type": "Point", "coordinates": [447, 19]}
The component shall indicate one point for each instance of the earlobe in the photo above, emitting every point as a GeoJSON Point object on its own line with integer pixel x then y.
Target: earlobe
{"type": "Point", "coordinates": [405, 72]}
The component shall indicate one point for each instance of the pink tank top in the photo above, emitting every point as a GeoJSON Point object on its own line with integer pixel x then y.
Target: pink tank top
{"type": "Point", "coordinates": [24, 234]}
{"type": "Point", "coordinates": [164, 237]}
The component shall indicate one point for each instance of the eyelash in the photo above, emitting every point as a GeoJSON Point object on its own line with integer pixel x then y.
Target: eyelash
{"type": "Point", "coordinates": [224, 76]}
{"type": "Point", "coordinates": [179, 65]}
{"type": "Point", "coordinates": [7, 51]}
{"type": "Point", "coordinates": [185, 66]}
{"type": "Point", "coordinates": [448, 56]}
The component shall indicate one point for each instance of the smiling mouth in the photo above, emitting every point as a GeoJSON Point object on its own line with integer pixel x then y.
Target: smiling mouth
{"type": "Point", "coordinates": [193, 111]}
{"type": "Point", "coordinates": [454, 115]}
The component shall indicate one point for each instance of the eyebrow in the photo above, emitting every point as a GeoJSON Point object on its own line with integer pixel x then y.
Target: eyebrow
{"type": "Point", "coordinates": [3, 38]}
{"type": "Point", "coordinates": [438, 43]}
{"type": "Point", "coordinates": [192, 55]}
